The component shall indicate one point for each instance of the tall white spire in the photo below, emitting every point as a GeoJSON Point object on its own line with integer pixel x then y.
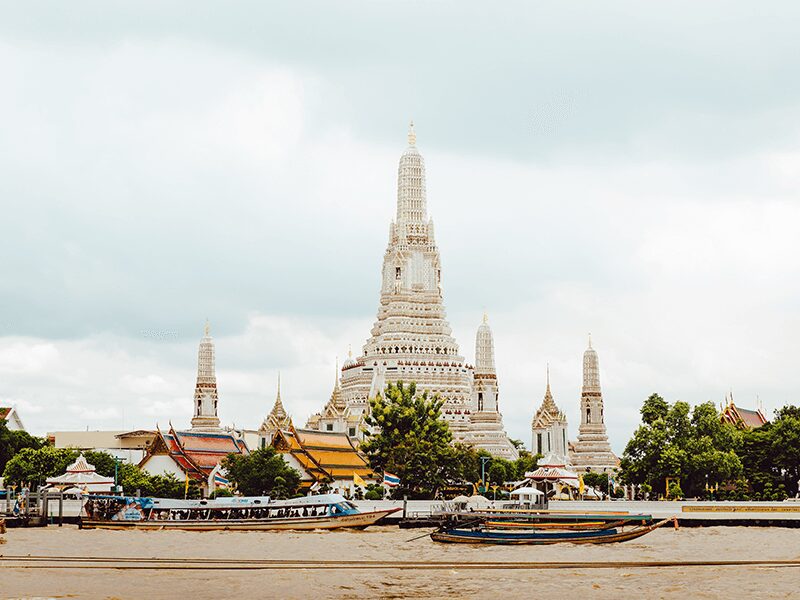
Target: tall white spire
{"type": "Point", "coordinates": [484, 348]}
{"type": "Point", "coordinates": [591, 369]}
{"type": "Point", "coordinates": [592, 449]}
{"type": "Point", "coordinates": [205, 391]}
{"type": "Point", "coordinates": [411, 199]}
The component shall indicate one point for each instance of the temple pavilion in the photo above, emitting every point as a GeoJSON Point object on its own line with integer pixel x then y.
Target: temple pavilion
{"type": "Point", "coordinates": [323, 457]}
{"type": "Point", "coordinates": [742, 418]}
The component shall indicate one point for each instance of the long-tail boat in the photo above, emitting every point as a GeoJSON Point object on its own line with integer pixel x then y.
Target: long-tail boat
{"type": "Point", "coordinates": [327, 511]}
{"type": "Point", "coordinates": [480, 534]}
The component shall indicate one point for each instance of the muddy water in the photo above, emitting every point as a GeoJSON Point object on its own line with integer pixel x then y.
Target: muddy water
{"type": "Point", "coordinates": [389, 544]}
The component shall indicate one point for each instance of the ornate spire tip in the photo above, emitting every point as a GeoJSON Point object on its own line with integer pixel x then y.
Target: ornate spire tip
{"type": "Point", "coordinates": [412, 135]}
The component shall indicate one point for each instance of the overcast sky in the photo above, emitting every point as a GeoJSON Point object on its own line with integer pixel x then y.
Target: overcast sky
{"type": "Point", "coordinates": [617, 168]}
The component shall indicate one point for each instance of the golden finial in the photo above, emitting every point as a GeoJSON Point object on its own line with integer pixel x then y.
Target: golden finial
{"type": "Point", "coordinates": [485, 318]}
{"type": "Point", "coordinates": [207, 328]}
{"type": "Point", "coordinates": [349, 351]}
{"type": "Point", "coordinates": [412, 135]}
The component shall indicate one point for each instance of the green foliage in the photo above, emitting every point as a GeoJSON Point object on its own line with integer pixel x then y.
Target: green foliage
{"type": "Point", "coordinates": [675, 491]}
{"type": "Point", "coordinates": [675, 441]}
{"type": "Point", "coordinates": [12, 442]}
{"type": "Point", "coordinates": [262, 472]}
{"type": "Point", "coordinates": [103, 462]}
{"type": "Point", "coordinates": [32, 467]}
{"type": "Point", "coordinates": [374, 491]}
{"type": "Point", "coordinates": [771, 456]}
{"type": "Point", "coordinates": [413, 441]}
{"type": "Point", "coordinates": [498, 471]}
{"type": "Point", "coordinates": [598, 481]}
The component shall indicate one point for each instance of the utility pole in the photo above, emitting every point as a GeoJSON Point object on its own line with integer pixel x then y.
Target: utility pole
{"type": "Point", "coordinates": [484, 459]}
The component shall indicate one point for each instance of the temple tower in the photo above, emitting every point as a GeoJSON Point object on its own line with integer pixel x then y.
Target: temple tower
{"type": "Point", "coordinates": [592, 450]}
{"type": "Point", "coordinates": [549, 428]}
{"type": "Point", "coordinates": [411, 339]}
{"type": "Point", "coordinates": [205, 391]}
{"type": "Point", "coordinates": [486, 390]}
{"type": "Point", "coordinates": [485, 430]}
{"type": "Point", "coordinates": [275, 420]}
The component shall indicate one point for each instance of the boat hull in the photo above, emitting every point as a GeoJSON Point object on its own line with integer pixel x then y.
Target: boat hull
{"type": "Point", "coordinates": [354, 521]}
{"type": "Point", "coordinates": [578, 537]}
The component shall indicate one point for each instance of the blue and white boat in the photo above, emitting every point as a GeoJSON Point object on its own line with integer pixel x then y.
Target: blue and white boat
{"type": "Point", "coordinates": [237, 513]}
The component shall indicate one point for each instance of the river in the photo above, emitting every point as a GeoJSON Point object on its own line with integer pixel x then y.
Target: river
{"type": "Point", "coordinates": [210, 574]}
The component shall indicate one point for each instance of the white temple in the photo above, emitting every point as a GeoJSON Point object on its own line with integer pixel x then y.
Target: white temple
{"type": "Point", "coordinates": [205, 391]}
{"type": "Point", "coordinates": [411, 340]}
{"type": "Point", "coordinates": [275, 420]}
{"type": "Point", "coordinates": [592, 451]}
{"type": "Point", "coordinates": [336, 416]}
{"type": "Point", "coordinates": [549, 429]}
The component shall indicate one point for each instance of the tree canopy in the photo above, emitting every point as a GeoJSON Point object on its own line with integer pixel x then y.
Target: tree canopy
{"type": "Point", "coordinates": [262, 472]}
{"type": "Point", "coordinates": [12, 442]}
{"type": "Point", "coordinates": [413, 441]}
{"type": "Point", "coordinates": [32, 467]}
{"type": "Point", "coordinates": [674, 441]}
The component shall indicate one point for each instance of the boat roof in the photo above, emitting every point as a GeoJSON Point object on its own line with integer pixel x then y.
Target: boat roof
{"type": "Point", "coordinates": [228, 501]}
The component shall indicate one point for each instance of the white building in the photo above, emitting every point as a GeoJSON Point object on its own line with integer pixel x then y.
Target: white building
{"type": "Point", "coordinates": [11, 417]}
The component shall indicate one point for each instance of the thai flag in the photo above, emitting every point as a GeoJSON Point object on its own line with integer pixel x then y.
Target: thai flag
{"type": "Point", "coordinates": [390, 480]}
{"type": "Point", "coordinates": [220, 481]}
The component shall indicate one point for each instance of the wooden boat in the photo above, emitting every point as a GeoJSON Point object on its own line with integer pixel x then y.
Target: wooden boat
{"type": "Point", "coordinates": [328, 511]}
{"type": "Point", "coordinates": [481, 535]}
{"type": "Point", "coordinates": [590, 525]}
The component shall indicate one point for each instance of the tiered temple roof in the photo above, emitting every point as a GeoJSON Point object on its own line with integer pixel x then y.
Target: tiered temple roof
{"type": "Point", "coordinates": [324, 456]}
{"type": "Point", "coordinates": [277, 418]}
{"type": "Point", "coordinates": [81, 474]}
{"type": "Point", "coordinates": [548, 412]}
{"type": "Point", "coordinates": [196, 453]}
{"type": "Point", "coordinates": [742, 417]}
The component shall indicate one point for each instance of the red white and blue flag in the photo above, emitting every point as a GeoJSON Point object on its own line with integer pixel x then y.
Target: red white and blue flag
{"type": "Point", "coordinates": [390, 479]}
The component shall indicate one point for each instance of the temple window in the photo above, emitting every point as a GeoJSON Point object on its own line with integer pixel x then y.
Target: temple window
{"type": "Point", "coordinates": [588, 415]}
{"type": "Point", "coordinates": [329, 426]}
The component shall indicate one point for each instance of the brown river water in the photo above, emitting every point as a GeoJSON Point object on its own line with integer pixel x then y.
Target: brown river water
{"type": "Point", "coordinates": [390, 547]}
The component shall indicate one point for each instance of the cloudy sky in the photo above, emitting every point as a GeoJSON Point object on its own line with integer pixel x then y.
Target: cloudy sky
{"type": "Point", "coordinates": [608, 167]}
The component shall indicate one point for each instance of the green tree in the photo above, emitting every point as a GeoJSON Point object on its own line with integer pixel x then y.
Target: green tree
{"type": "Point", "coordinates": [413, 441]}
{"type": "Point", "coordinates": [262, 472]}
{"type": "Point", "coordinates": [33, 466]}
{"type": "Point", "coordinates": [103, 462]}
{"type": "Point", "coordinates": [498, 472]}
{"type": "Point", "coordinates": [771, 456]}
{"type": "Point", "coordinates": [11, 442]}
{"type": "Point", "coordinates": [692, 445]}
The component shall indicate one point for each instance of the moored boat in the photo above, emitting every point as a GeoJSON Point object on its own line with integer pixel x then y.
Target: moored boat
{"type": "Point", "coordinates": [482, 535]}
{"type": "Point", "coordinates": [327, 511]}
